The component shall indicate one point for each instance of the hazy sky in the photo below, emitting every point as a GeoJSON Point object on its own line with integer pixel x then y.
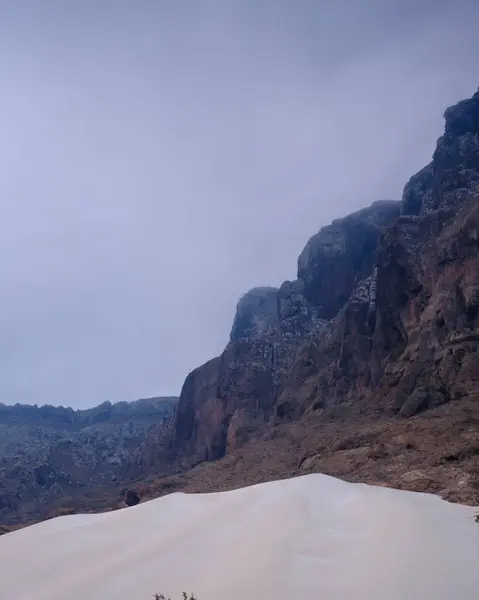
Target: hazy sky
{"type": "Point", "coordinates": [159, 158]}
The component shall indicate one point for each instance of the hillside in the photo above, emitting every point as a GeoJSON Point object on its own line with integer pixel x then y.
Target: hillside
{"type": "Point", "coordinates": [49, 453]}
{"type": "Point", "coordinates": [365, 367]}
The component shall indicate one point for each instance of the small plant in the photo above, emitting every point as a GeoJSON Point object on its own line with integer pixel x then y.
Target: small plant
{"type": "Point", "coordinates": [476, 518]}
{"type": "Point", "coordinates": [185, 597]}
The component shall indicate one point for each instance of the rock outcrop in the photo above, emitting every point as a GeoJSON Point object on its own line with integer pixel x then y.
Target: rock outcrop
{"type": "Point", "coordinates": [339, 256]}
{"type": "Point", "coordinates": [426, 339]}
{"type": "Point", "coordinates": [384, 314]}
{"type": "Point", "coordinates": [49, 453]}
{"type": "Point", "coordinates": [274, 341]}
{"type": "Point", "coordinates": [365, 367]}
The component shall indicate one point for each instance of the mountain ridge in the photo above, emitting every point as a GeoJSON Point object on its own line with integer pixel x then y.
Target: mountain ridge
{"type": "Point", "coordinates": [381, 323]}
{"type": "Point", "coordinates": [365, 367]}
{"type": "Point", "coordinates": [50, 453]}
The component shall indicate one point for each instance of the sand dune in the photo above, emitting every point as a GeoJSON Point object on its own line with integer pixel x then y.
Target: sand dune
{"type": "Point", "coordinates": [310, 537]}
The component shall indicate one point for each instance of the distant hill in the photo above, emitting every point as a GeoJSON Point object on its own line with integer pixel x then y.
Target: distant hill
{"type": "Point", "coordinates": [49, 453]}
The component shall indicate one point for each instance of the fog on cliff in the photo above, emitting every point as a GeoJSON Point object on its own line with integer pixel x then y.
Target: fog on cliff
{"type": "Point", "coordinates": [157, 159]}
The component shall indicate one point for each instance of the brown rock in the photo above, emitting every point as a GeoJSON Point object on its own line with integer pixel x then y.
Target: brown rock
{"type": "Point", "coordinates": [382, 321]}
{"type": "Point", "coordinates": [365, 367]}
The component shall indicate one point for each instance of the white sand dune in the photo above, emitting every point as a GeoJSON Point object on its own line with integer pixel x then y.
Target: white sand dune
{"type": "Point", "coordinates": [311, 537]}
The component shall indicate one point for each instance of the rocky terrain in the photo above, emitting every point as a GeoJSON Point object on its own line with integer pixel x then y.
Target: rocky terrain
{"type": "Point", "coordinates": [49, 453]}
{"type": "Point", "coordinates": [365, 367]}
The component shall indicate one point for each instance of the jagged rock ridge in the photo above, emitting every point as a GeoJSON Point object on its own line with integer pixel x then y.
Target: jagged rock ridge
{"type": "Point", "coordinates": [249, 385]}
{"type": "Point", "coordinates": [384, 313]}
{"type": "Point", "coordinates": [48, 452]}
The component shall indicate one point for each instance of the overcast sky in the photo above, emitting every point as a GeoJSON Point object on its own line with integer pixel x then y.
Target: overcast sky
{"type": "Point", "coordinates": [160, 158]}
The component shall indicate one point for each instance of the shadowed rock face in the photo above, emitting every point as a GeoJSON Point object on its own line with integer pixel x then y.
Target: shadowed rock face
{"type": "Point", "coordinates": [407, 338]}
{"type": "Point", "coordinates": [426, 339]}
{"type": "Point", "coordinates": [340, 255]}
{"type": "Point", "coordinates": [257, 314]}
{"type": "Point", "coordinates": [453, 173]}
{"type": "Point", "coordinates": [384, 311]}
{"type": "Point", "coordinates": [273, 341]}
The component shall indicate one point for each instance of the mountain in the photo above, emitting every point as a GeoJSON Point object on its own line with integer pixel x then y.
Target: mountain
{"type": "Point", "coordinates": [49, 453]}
{"type": "Point", "coordinates": [277, 338]}
{"type": "Point", "coordinates": [367, 365]}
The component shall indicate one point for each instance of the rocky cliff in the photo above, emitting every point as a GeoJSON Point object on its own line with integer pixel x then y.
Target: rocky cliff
{"type": "Point", "coordinates": [382, 318]}
{"type": "Point", "coordinates": [49, 453]}
{"type": "Point", "coordinates": [365, 367]}
{"type": "Point", "coordinates": [274, 340]}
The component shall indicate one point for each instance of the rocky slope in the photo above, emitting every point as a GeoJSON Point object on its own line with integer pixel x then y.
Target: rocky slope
{"type": "Point", "coordinates": [365, 367]}
{"type": "Point", "coordinates": [49, 453]}
{"type": "Point", "coordinates": [274, 340]}
{"type": "Point", "coordinates": [380, 325]}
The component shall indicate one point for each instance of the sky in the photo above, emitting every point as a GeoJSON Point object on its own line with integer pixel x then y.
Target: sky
{"type": "Point", "coordinates": [160, 158]}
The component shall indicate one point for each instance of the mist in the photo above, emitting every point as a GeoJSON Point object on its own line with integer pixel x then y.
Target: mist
{"type": "Point", "coordinates": [158, 159]}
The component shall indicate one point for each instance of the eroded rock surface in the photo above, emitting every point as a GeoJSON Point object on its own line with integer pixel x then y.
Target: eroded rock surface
{"type": "Point", "coordinates": [384, 314]}
{"type": "Point", "coordinates": [365, 367]}
{"type": "Point", "coordinates": [53, 453]}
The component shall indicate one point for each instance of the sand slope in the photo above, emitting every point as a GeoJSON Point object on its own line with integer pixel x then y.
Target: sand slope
{"type": "Point", "coordinates": [309, 537]}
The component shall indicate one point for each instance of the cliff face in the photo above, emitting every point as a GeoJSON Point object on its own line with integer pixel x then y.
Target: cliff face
{"type": "Point", "coordinates": [320, 374]}
{"type": "Point", "coordinates": [384, 313]}
{"type": "Point", "coordinates": [426, 339]}
{"type": "Point", "coordinates": [273, 342]}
